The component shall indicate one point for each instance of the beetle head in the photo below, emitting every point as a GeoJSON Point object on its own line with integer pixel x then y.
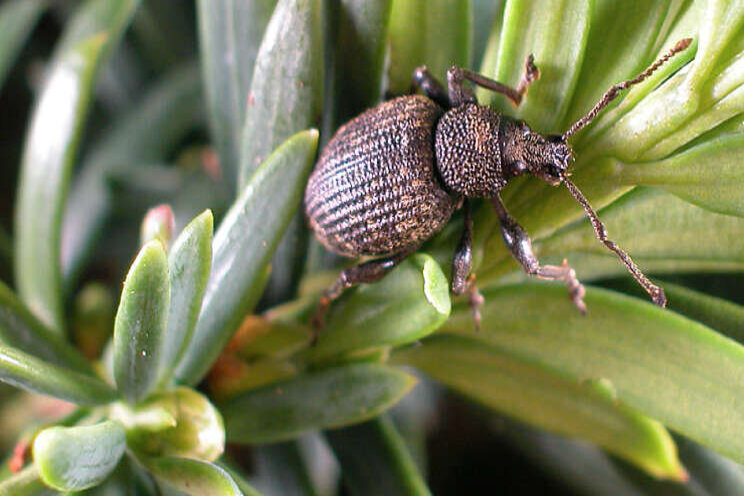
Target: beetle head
{"type": "Point", "coordinates": [528, 152]}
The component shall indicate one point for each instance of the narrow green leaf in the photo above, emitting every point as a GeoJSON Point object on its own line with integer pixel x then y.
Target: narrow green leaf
{"type": "Point", "coordinates": [654, 227]}
{"type": "Point", "coordinates": [189, 263]}
{"type": "Point", "coordinates": [682, 20]}
{"type": "Point", "coordinates": [280, 469]}
{"type": "Point", "coordinates": [722, 315]}
{"type": "Point", "coordinates": [623, 37]}
{"type": "Point", "coordinates": [707, 175]}
{"type": "Point", "coordinates": [726, 102]}
{"type": "Point", "coordinates": [408, 304]}
{"type": "Point", "coordinates": [20, 329]}
{"type": "Point", "coordinates": [76, 458]}
{"type": "Point", "coordinates": [287, 86]}
{"type": "Point", "coordinates": [28, 372]}
{"type": "Point", "coordinates": [140, 323]}
{"type": "Point", "coordinates": [678, 111]}
{"type": "Point", "coordinates": [25, 483]}
{"type": "Point", "coordinates": [719, 314]}
{"type": "Point", "coordinates": [555, 32]}
{"type": "Point", "coordinates": [374, 460]}
{"type": "Point", "coordinates": [487, 19]}
{"type": "Point", "coordinates": [51, 147]}
{"type": "Point", "coordinates": [542, 209]}
{"type": "Point", "coordinates": [17, 19]}
{"type": "Point", "coordinates": [360, 54]}
{"type": "Point", "coordinates": [529, 392]}
{"type": "Point", "coordinates": [242, 248]}
{"type": "Point", "coordinates": [328, 398]}
{"type": "Point", "coordinates": [230, 33]}
{"type": "Point", "coordinates": [440, 37]}
{"type": "Point", "coordinates": [661, 232]}
{"type": "Point", "coordinates": [288, 263]}
{"type": "Point", "coordinates": [172, 107]}
{"type": "Point", "coordinates": [659, 363]}
{"type": "Point", "coordinates": [192, 477]}
{"type": "Point", "coordinates": [286, 96]}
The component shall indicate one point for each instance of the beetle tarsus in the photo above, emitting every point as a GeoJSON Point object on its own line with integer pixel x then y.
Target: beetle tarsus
{"type": "Point", "coordinates": [459, 94]}
{"type": "Point", "coordinates": [475, 301]}
{"type": "Point", "coordinates": [367, 272]}
{"type": "Point", "coordinates": [318, 319]}
{"type": "Point", "coordinates": [520, 245]}
{"type": "Point", "coordinates": [531, 74]}
{"type": "Point", "coordinates": [567, 274]}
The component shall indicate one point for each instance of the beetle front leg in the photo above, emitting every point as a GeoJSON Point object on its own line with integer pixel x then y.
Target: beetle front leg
{"type": "Point", "coordinates": [462, 280]}
{"type": "Point", "coordinates": [459, 94]}
{"type": "Point", "coordinates": [518, 242]}
{"type": "Point", "coordinates": [367, 272]}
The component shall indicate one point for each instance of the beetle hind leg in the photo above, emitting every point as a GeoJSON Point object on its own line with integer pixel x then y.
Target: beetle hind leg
{"type": "Point", "coordinates": [367, 272]}
{"type": "Point", "coordinates": [519, 244]}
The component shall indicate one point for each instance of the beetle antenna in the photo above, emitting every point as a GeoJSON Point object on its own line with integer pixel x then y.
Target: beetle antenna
{"type": "Point", "coordinates": [614, 91]}
{"type": "Point", "coordinates": [656, 293]}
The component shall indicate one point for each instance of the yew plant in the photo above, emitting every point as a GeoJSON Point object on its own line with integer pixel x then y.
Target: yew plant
{"type": "Point", "coordinates": [168, 147]}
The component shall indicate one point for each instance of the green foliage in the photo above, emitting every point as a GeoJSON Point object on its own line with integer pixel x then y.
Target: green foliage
{"type": "Point", "coordinates": [661, 165]}
{"type": "Point", "coordinates": [75, 458]}
{"type": "Point", "coordinates": [140, 323]}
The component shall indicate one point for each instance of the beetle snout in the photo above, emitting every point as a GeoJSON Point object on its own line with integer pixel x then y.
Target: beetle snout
{"type": "Point", "coordinates": [562, 154]}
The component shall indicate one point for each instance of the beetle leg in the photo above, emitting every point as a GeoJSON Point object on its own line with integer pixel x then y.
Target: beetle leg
{"type": "Point", "coordinates": [519, 244]}
{"type": "Point", "coordinates": [458, 94]}
{"type": "Point", "coordinates": [463, 260]}
{"type": "Point", "coordinates": [367, 272]}
{"type": "Point", "coordinates": [462, 280]}
{"type": "Point", "coordinates": [431, 87]}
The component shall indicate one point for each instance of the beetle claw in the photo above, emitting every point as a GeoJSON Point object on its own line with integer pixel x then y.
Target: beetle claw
{"type": "Point", "coordinates": [475, 300]}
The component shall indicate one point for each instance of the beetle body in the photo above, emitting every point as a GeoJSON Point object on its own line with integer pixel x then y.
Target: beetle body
{"type": "Point", "coordinates": [392, 177]}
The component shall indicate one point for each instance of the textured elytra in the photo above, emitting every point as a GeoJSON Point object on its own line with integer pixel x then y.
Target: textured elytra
{"type": "Point", "coordinates": [375, 189]}
{"type": "Point", "coordinates": [468, 150]}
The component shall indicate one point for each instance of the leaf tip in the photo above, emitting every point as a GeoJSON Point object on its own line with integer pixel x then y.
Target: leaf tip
{"type": "Point", "coordinates": [159, 223]}
{"type": "Point", "coordinates": [436, 287]}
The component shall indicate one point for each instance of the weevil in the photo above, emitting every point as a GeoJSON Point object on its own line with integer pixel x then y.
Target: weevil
{"type": "Point", "coordinates": [392, 177]}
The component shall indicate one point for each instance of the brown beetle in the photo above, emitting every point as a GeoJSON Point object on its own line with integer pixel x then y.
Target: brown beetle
{"type": "Point", "coordinates": [392, 177]}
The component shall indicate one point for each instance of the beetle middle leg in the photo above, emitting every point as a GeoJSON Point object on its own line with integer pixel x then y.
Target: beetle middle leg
{"type": "Point", "coordinates": [462, 280]}
{"type": "Point", "coordinates": [520, 245]}
{"type": "Point", "coordinates": [367, 272]}
{"type": "Point", "coordinates": [459, 94]}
